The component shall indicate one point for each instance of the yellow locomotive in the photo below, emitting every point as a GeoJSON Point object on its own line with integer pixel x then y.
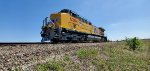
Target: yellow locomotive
{"type": "Point", "coordinates": [66, 26]}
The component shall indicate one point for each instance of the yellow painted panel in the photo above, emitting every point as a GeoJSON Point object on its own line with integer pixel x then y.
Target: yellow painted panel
{"type": "Point", "coordinates": [72, 23]}
{"type": "Point", "coordinates": [56, 18]}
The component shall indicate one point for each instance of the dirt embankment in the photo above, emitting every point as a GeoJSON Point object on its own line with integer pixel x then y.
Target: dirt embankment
{"type": "Point", "coordinates": [26, 55]}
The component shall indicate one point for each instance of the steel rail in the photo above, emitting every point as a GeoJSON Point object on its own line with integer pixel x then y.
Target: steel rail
{"type": "Point", "coordinates": [7, 43]}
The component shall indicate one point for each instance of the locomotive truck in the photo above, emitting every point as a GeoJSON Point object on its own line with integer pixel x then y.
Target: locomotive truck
{"type": "Point", "coordinates": [68, 26]}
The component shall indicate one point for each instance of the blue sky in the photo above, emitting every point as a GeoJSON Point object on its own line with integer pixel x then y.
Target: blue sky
{"type": "Point", "coordinates": [21, 20]}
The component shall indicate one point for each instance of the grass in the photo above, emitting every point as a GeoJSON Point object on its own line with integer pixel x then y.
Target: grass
{"type": "Point", "coordinates": [87, 53]}
{"type": "Point", "coordinates": [17, 69]}
{"type": "Point", "coordinates": [112, 57]}
{"type": "Point", "coordinates": [66, 58]}
{"type": "Point", "coordinates": [122, 58]}
{"type": "Point", "coordinates": [50, 66]}
{"type": "Point", "coordinates": [64, 64]}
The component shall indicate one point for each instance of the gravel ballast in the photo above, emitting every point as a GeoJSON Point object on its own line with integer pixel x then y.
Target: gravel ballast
{"type": "Point", "coordinates": [26, 55]}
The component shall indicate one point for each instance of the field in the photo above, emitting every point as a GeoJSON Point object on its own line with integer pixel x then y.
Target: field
{"type": "Point", "coordinates": [110, 56]}
{"type": "Point", "coordinates": [115, 56]}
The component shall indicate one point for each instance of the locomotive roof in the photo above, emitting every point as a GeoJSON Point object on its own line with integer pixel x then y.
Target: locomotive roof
{"type": "Point", "coordinates": [102, 28]}
{"type": "Point", "coordinates": [75, 15]}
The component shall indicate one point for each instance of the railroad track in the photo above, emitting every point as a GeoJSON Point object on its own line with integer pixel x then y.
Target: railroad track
{"type": "Point", "coordinates": [26, 43]}
{"type": "Point", "coordinates": [20, 43]}
{"type": "Point", "coordinates": [1, 43]}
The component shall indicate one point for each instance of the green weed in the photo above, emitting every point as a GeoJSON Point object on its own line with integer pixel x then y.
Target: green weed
{"type": "Point", "coordinates": [17, 69]}
{"type": "Point", "coordinates": [66, 58]}
{"type": "Point", "coordinates": [50, 66]}
{"type": "Point", "coordinates": [134, 43]}
{"type": "Point", "coordinates": [87, 53]}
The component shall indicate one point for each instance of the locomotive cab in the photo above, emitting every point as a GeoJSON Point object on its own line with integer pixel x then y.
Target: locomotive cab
{"type": "Point", "coordinates": [47, 29]}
